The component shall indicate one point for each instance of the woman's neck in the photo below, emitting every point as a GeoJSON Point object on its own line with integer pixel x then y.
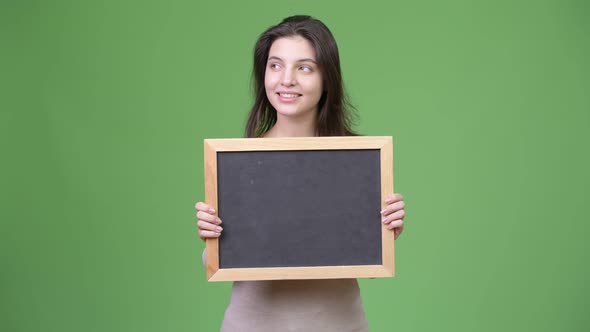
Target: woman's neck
{"type": "Point", "coordinates": [293, 127]}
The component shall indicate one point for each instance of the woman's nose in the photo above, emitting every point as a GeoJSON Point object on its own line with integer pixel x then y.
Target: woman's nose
{"type": "Point", "coordinates": [288, 78]}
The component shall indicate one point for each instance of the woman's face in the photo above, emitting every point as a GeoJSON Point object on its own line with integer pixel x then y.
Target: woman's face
{"type": "Point", "coordinates": [292, 78]}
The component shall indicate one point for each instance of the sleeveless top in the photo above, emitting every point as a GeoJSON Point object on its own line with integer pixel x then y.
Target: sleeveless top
{"type": "Point", "coordinates": [295, 305]}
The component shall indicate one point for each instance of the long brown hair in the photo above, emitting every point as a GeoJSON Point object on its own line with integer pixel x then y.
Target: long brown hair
{"type": "Point", "coordinates": [335, 115]}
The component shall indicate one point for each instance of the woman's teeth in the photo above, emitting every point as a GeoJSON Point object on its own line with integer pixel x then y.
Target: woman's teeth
{"type": "Point", "coordinates": [288, 95]}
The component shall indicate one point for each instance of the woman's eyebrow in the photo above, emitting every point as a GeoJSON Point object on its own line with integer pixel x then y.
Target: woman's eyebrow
{"type": "Point", "coordinates": [308, 60]}
{"type": "Point", "coordinates": [300, 60]}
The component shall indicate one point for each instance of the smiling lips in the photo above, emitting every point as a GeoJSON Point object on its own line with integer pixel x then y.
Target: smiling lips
{"type": "Point", "coordinates": [288, 96]}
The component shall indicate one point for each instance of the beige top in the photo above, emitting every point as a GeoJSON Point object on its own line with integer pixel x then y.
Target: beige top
{"type": "Point", "coordinates": [295, 305]}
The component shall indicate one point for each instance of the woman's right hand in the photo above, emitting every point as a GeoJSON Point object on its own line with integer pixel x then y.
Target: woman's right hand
{"type": "Point", "coordinates": [207, 222]}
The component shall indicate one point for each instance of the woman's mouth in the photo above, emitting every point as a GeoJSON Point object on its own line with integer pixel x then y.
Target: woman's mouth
{"type": "Point", "coordinates": [288, 95]}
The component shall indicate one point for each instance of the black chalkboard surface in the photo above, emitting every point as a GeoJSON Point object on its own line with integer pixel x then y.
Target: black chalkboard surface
{"type": "Point", "coordinates": [299, 208]}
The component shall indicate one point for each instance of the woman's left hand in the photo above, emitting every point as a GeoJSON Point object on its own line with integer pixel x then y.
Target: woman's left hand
{"type": "Point", "coordinates": [393, 214]}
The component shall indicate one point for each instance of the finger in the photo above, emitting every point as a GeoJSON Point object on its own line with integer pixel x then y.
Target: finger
{"type": "Point", "coordinates": [208, 234]}
{"type": "Point", "coordinates": [204, 207]}
{"type": "Point", "coordinates": [203, 225]}
{"type": "Point", "coordinates": [397, 232]}
{"type": "Point", "coordinates": [394, 198]}
{"type": "Point", "coordinates": [393, 207]}
{"type": "Point", "coordinates": [395, 224]}
{"type": "Point", "coordinates": [396, 215]}
{"type": "Point", "coordinates": [208, 217]}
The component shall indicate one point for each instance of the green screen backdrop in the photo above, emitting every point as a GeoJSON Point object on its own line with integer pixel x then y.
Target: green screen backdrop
{"type": "Point", "coordinates": [105, 104]}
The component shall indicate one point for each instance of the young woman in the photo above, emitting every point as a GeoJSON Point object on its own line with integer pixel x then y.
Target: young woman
{"type": "Point", "coordinates": [298, 92]}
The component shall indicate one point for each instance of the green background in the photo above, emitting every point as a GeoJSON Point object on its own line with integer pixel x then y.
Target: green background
{"type": "Point", "coordinates": [104, 106]}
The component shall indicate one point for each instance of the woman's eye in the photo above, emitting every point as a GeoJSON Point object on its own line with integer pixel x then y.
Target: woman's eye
{"type": "Point", "coordinates": [274, 66]}
{"type": "Point", "coordinates": [306, 69]}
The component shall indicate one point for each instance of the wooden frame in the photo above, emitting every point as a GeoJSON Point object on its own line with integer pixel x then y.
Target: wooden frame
{"type": "Point", "coordinates": [382, 143]}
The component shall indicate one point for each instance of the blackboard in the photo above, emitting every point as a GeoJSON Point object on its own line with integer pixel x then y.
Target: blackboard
{"type": "Point", "coordinates": [299, 208]}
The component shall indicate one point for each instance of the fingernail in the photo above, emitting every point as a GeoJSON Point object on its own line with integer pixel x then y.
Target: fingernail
{"type": "Point", "coordinates": [382, 211]}
{"type": "Point", "coordinates": [218, 229]}
{"type": "Point", "coordinates": [383, 220]}
{"type": "Point", "coordinates": [211, 210]}
{"type": "Point", "coordinates": [389, 200]}
{"type": "Point", "coordinates": [218, 220]}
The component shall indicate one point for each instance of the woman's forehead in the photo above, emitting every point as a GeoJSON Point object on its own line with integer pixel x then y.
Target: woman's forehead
{"type": "Point", "coordinates": [293, 48]}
